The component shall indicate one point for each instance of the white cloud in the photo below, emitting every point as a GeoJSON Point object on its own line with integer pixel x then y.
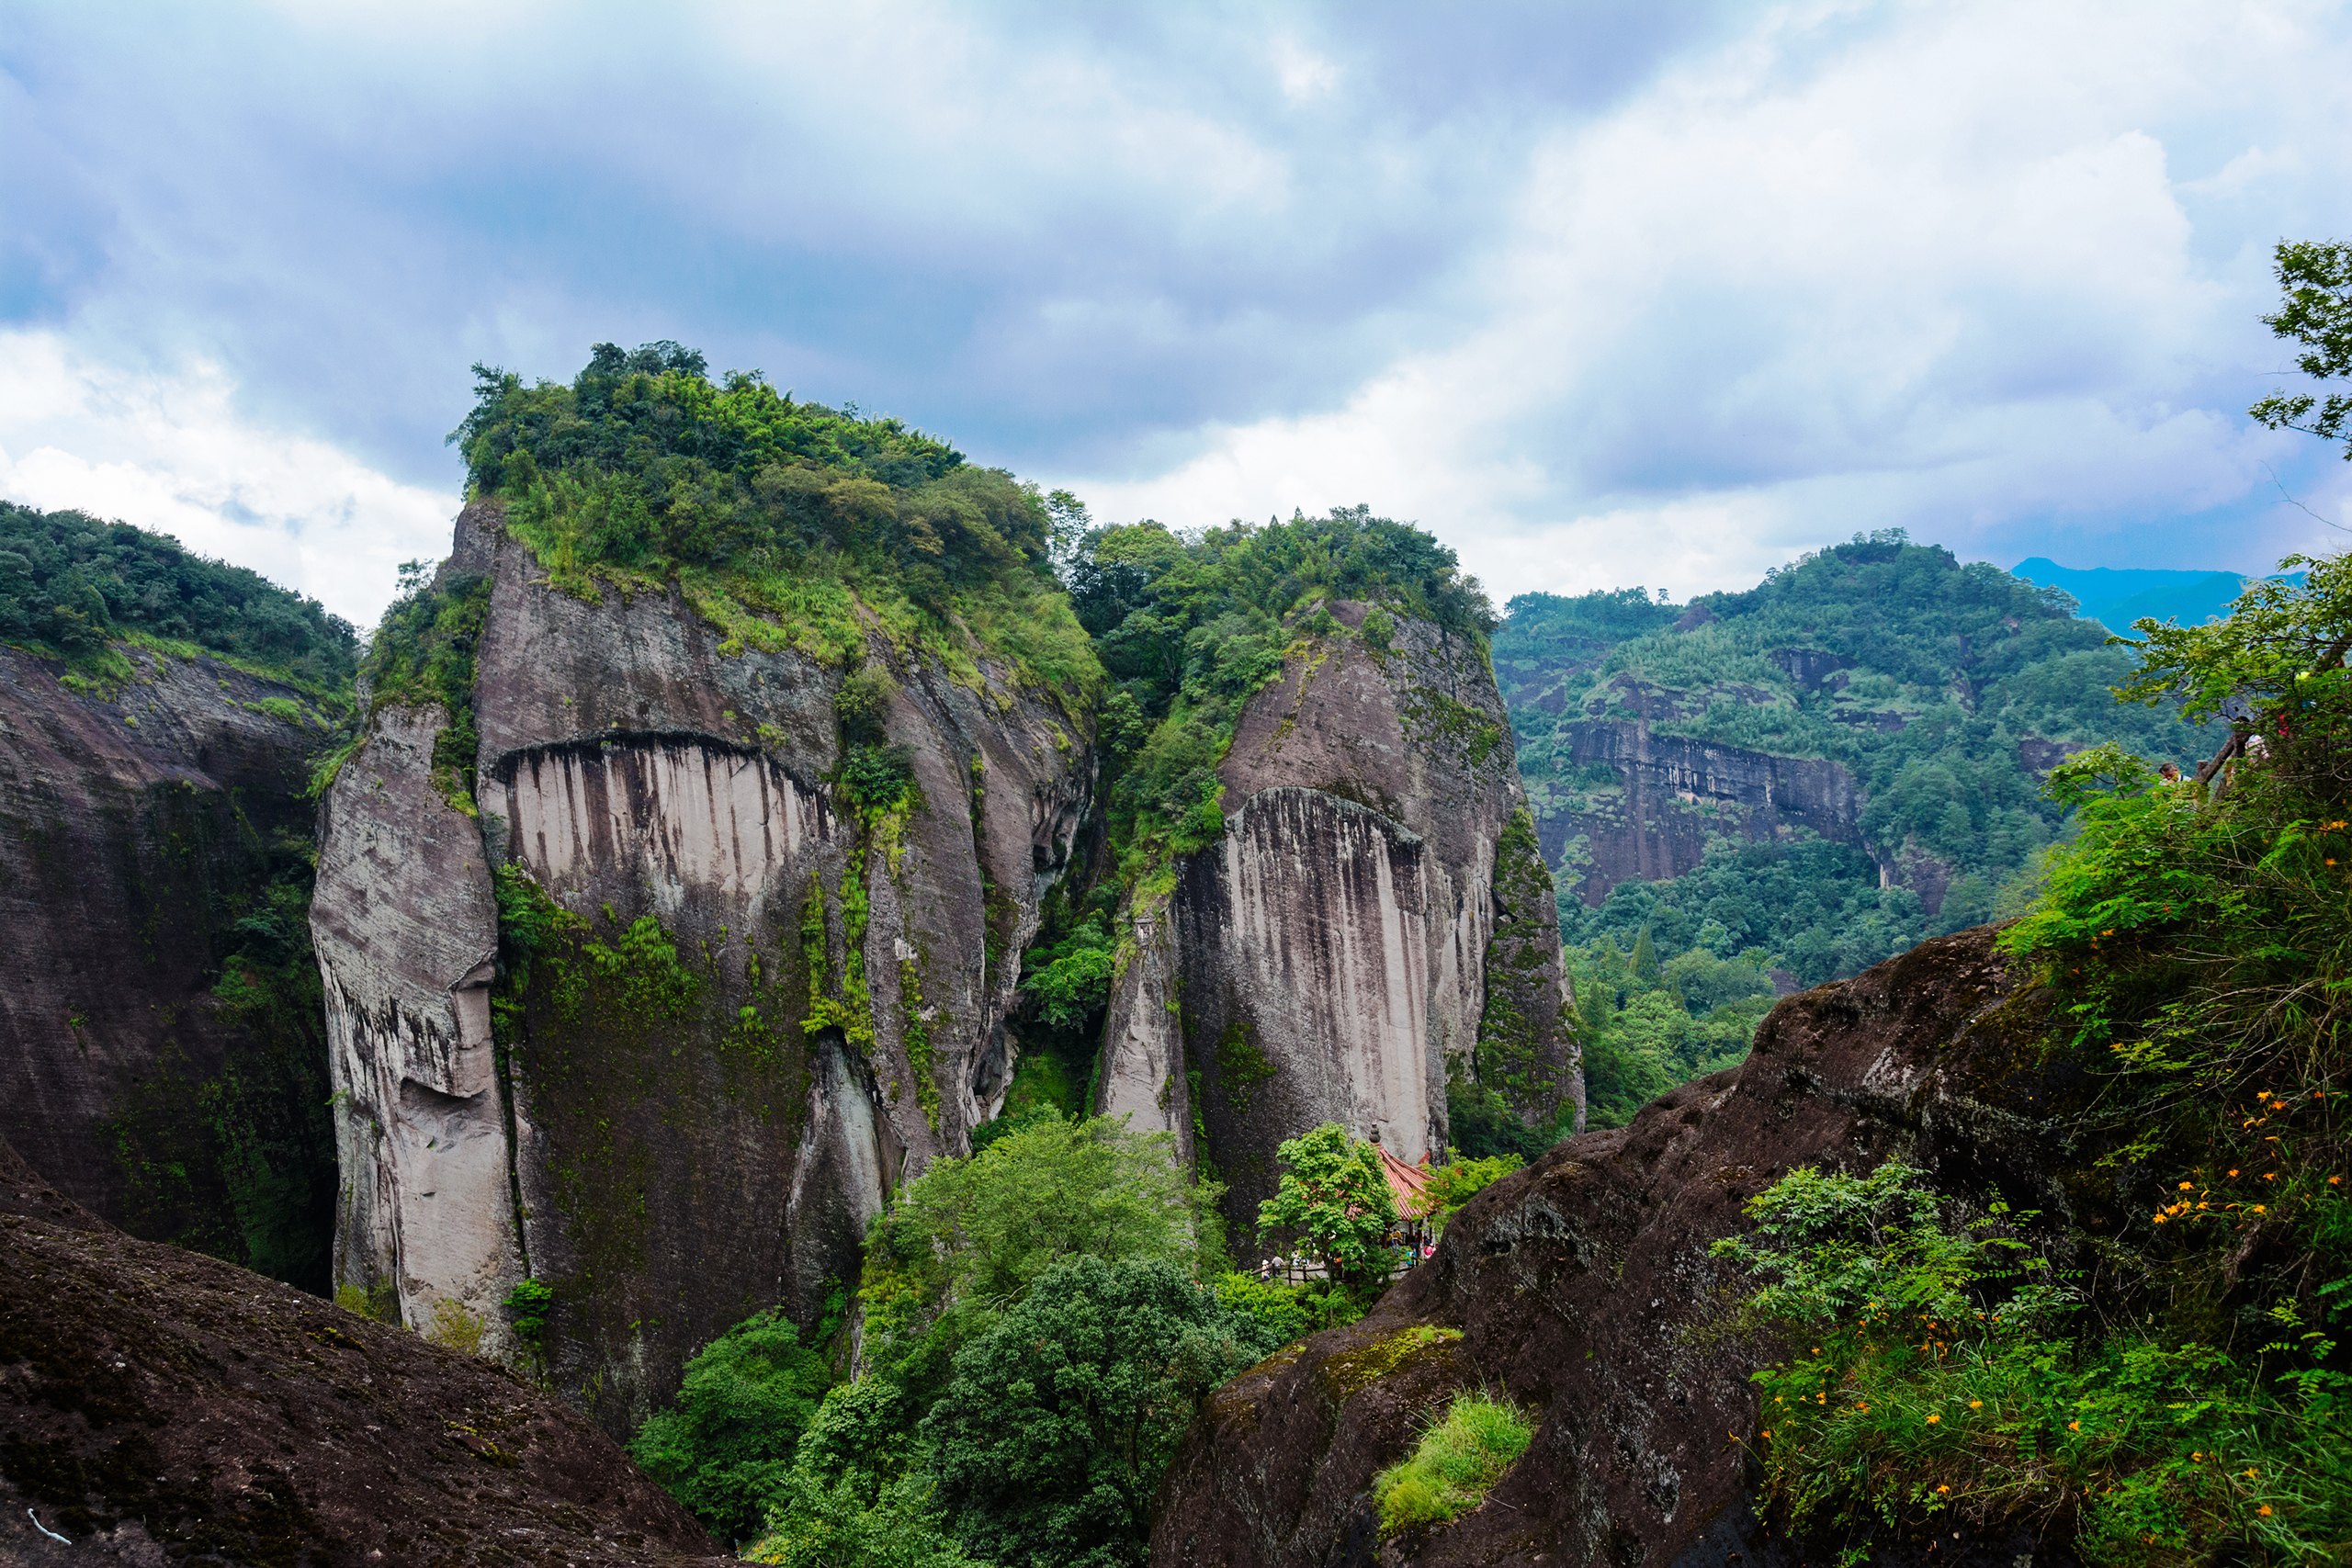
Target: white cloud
{"type": "Point", "coordinates": [168, 450]}
{"type": "Point", "coordinates": [1938, 267]}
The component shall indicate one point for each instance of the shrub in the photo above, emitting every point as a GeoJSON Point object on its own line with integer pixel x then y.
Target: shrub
{"type": "Point", "coordinates": [454, 1327]}
{"type": "Point", "coordinates": [1053, 1435]}
{"type": "Point", "coordinates": [1288, 1312]}
{"type": "Point", "coordinates": [1458, 1460]}
{"type": "Point", "coordinates": [724, 1447]}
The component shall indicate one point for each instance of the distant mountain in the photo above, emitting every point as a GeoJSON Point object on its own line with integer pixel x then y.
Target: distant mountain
{"type": "Point", "coordinates": [1784, 786]}
{"type": "Point", "coordinates": [2115, 597]}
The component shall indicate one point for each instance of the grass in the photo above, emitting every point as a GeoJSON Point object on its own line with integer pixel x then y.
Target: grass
{"type": "Point", "coordinates": [1458, 1460]}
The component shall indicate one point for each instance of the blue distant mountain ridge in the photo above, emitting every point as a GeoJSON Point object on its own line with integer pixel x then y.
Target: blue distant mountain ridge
{"type": "Point", "coordinates": [2115, 597]}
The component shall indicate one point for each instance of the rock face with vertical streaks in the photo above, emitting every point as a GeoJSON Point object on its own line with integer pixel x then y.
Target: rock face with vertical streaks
{"type": "Point", "coordinates": [719, 1007]}
{"type": "Point", "coordinates": [1375, 921]}
{"type": "Point", "coordinates": [142, 823]}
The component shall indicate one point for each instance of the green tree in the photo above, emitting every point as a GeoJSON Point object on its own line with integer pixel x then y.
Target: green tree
{"type": "Point", "coordinates": [723, 1450]}
{"type": "Point", "coordinates": [967, 1239]}
{"type": "Point", "coordinates": [1060, 1420]}
{"type": "Point", "coordinates": [1334, 1196]}
{"type": "Point", "coordinates": [2315, 277]}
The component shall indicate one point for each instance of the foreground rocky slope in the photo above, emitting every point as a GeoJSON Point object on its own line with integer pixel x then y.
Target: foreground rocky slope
{"type": "Point", "coordinates": [737, 1006]}
{"type": "Point", "coordinates": [143, 821]}
{"type": "Point", "coordinates": [160, 1406]}
{"type": "Point", "coordinates": [1375, 921]}
{"type": "Point", "coordinates": [1583, 1288]}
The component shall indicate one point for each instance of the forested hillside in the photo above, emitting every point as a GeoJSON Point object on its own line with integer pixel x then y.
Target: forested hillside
{"type": "Point", "coordinates": [70, 584]}
{"type": "Point", "coordinates": [1794, 783]}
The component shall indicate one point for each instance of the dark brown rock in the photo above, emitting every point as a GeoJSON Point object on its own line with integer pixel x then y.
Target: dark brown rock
{"type": "Point", "coordinates": [138, 825]}
{"type": "Point", "coordinates": [157, 1406]}
{"type": "Point", "coordinates": [1583, 1288]}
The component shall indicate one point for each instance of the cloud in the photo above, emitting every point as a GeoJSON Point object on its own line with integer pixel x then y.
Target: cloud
{"type": "Point", "coordinates": [1935, 269]}
{"type": "Point", "coordinates": [169, 451]}
{"type": "Point", "coordinates": [1610, 293]}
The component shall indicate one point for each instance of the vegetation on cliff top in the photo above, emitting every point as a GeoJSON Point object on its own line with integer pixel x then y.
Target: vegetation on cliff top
{"type": "Point", "coordinates": [71, 584]}
{"type": "Point", "coordinates": [778, 519]}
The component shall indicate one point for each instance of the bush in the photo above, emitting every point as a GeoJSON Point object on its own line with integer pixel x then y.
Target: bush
{"type": "Point", "coordinates": [1289, 1312]}
{"type": "Point", "coordinates": [967, 1239]}
{"type": "Point", "coordinates": [1458, 1460]}
{"type": "Point", "coordinates": [723, 1450]}
{"type": "Point", "coordinates": [1060, 1420]}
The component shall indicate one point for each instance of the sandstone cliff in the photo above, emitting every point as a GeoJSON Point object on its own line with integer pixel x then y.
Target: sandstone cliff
{"type": "Point", "coordinates": [735, 1003]}
{"type": "Point", "coordinates": [144, 822]}
{"type": "Point", "coordinates": [1375, 920]}
{"type": "Point", "coordinates": [160, 1406]}
{"type": "Point", "coordinates": [1584, 1289]}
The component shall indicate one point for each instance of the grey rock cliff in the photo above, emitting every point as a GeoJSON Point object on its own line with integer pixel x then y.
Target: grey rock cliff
{"type": "Point", "coordinates": [138, 827]}
{"type": "Point", "coordinates": [746, 1015]}
{"type": "Point", "coordinates": [1375, 920]}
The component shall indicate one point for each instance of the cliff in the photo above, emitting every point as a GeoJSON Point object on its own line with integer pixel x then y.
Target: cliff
{"type": "Point", "coordinates": [699, 984]}
{"type": "Point", "coordinates": [1374, 921]}
{"type": "Point", "coordinates": [1583, 1288]}
{"type": "Point", "coordinates": [161, 1406]}
{"type": "Point", "coordinates": [161, 1057]}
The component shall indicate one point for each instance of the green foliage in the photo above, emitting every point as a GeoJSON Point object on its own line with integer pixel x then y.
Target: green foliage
{"type": "Point", "coordinates": [877, 779]}
{"type": "Point", "coordinates": [2315, 277]}
{"type": "Point", "coordinates": [1950, 1379]}
{"type": "Point", "coordinates": [786, 523]}
{"type": "Point", "coordinates": [2189, 957]}
{"type": "Point", "coordinates": [818, 1526]}
{"type": "Point", "coordinates": [1081, 1235]}
{"type": "Point", "coordinates": [1192, 627]}
{"type": "Point", "coordinates": [724, 1447]}
{"type": "Point", "coordinates": [70, 584]}
{"type": "Point", "coordinates": [1457, 1460]}
{"type": "Point", "coordinates": [422, 656]}
{"type": "Point", "coordinates": [1070, 981]}
{"type": "Point", "coordinates": [969, 1236]}
{"type": "Point", "coordinates": [1285, 1311]}
{"type": "Point", "coordinates": [1694, 1015]}
{"type": "Point", "coordinates": [1241, 1066]}
{"type": "Point", "coordinates": [1929, 682]}
{"type": "Point", "coordinates": [1459, 1179]}
{"type": "Point", "coordinates": [1052, 1436]}
{"type": "Point", "coordinates": [528, 1305]}
{"type": "Point", "coordinates": [1333, 1197]}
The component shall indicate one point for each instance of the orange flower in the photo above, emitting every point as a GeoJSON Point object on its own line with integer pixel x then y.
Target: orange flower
{"type": "Point", "coordinates": [2263, 1510]}
{"type": "Point", "coordinates": [2187, 1185]}
{"type": "Point", "coordinates": [2259, 1209]}
{"type": "Point", "coordinates": [1976, 1405]}
{"type": "Point", "coordinates": [1933, 1419]}
{"type": "Point", "coordinates": [2233, 1173]}
{"type": "Point", "coordinates": [2073, 1425]}
{"type": "Point", "coordinates": [1941, 1490]}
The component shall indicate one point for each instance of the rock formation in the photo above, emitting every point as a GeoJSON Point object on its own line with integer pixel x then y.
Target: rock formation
{"type": "Point", "coordinates": [142, 822]}
{"type": "Point", "coordinates": [733, 1005]}
{"type": "Point", "coordinates": [160, 1406]}
{"type": "Point", "coordinates": [1375, 920]}
{"type": "Point", "coordinates": [1583, 1288]}
{"type": "Point", "coordinates": [1673, 793]}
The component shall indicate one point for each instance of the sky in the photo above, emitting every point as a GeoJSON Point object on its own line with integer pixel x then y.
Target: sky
{"type": "Point", "coordinates": [1601, 294]}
